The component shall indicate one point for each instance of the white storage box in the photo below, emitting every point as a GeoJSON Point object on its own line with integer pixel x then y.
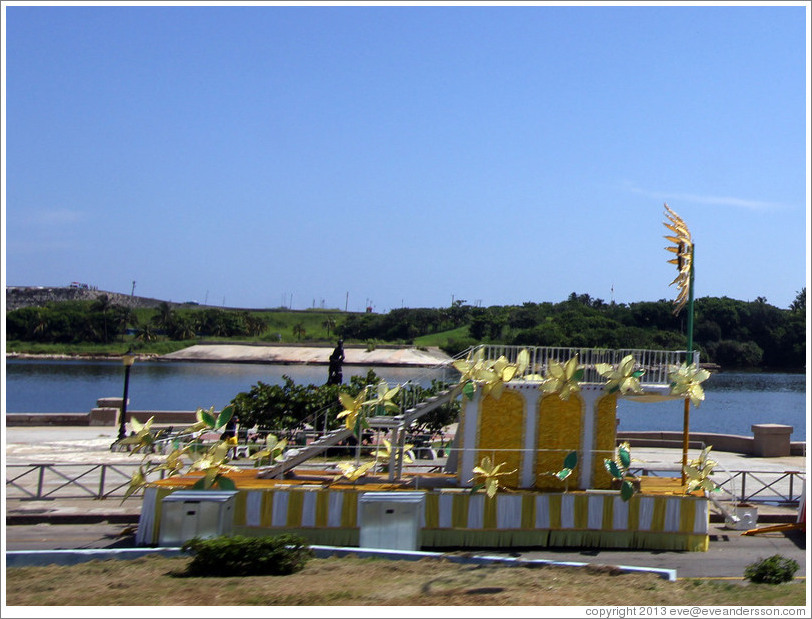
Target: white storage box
{"type": "Point", "coordinates": [391, 520]}
{"type": "Point", "coordinates": [196, 513]}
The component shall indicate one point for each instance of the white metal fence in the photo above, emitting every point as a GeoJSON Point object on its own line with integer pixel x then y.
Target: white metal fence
{"type": "Point", "coordinates": [103, 481]}
{"type": "Point", "coordinates": [656, 363]}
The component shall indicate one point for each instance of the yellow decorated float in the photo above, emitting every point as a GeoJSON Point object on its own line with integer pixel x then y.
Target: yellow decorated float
{"type": "Point", "coordinates": [534, 461]}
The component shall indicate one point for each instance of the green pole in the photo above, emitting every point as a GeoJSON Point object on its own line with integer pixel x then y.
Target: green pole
{"type": "Point", "coordinates": [686, 410]}
{"type": "Point", "coordinates": [690, 327]}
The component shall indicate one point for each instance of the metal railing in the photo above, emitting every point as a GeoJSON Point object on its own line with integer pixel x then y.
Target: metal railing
{"type": "Point", "coordinates": [762, 489]}
{"type": "Point", "coordinates": [43, 482]}
{"type": "Point", "coordinates": [656, 363]}
{"type": "Point", "coordinates": [784, 487]}
{"type": "Point", "coordinates": [103, 481]}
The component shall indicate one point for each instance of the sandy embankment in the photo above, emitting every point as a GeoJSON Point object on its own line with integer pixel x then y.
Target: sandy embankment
{"type": "Point", "coordinates": [309, 355]}
{"type": "Point", "coordinates": [247, 353]}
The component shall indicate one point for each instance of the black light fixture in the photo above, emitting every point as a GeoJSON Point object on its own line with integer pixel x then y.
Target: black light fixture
{"type": "Point", "coordinates": [127, 359]}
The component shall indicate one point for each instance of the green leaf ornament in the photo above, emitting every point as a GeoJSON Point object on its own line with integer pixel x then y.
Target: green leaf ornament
{"type": "Point", "coordinates": [224, 483]}
{"type": "Point", "coordinates": [613, 469]}
{"type": "Point", "coordinates": [626, 490]}
{"type": "Point", "coordinates": [225, 416]}
{"type": "Point", "coordinates": [624, 456]}
{"type": "Point", "coordinates": [564, 473]}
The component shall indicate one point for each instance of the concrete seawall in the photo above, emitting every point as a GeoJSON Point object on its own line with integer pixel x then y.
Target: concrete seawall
{"type": "Point", "coordinates": [734, 443]}
{"type": "Point", "coordinates": [97, 417]}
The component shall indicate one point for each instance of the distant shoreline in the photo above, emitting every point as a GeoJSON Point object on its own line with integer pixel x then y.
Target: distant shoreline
{"type": "Point", "coordinates": [78, 357]}
{"type": "Point", "coordinates": [382, 356]}
{"type": "Point", "coordinates": [711, 367]}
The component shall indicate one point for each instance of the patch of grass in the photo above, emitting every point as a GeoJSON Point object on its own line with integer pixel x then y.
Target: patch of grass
{"type": "Point", "coordinates": [442, 338]}
{"type": "Point", "coordinates": [358, 582]}
{"type": "Point", "coordinates": [161, 347]}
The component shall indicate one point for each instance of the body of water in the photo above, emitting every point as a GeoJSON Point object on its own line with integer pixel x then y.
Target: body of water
{"type": "Point", "coordinates": [733, 401]}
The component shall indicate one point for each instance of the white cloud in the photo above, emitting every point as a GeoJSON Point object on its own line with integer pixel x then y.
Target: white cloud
{"type": "Point", "coordinates": [53, 217]}
{"type": "Point", "coordinates": [755, 205]}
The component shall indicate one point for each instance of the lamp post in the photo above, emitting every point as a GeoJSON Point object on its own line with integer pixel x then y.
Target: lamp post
{"type": "Point", "coordinates": [127, 359]}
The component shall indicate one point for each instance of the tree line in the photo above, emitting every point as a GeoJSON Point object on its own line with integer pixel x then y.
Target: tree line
{"type": "Point", "coordinates": [728, 332]}
{"type": "Point", "coordinates": [102, 321]}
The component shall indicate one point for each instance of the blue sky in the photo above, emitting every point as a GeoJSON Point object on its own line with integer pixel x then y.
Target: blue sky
{"type": "Point", "coordinates": [405, 155]}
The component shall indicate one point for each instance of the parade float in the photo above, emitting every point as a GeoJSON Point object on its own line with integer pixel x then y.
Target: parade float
{"type": "Point", "coordinates": [534, 462]}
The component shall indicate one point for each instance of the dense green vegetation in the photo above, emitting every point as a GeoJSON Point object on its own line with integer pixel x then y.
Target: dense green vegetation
{"type": "Point", "coordinates": [728, 332]}
{"type": "Point", "coordinates": [731, 333]}
{"type": "Point", "coordinates": [289, 407]}
{"type": "Point", "coordinates": [236, 555]}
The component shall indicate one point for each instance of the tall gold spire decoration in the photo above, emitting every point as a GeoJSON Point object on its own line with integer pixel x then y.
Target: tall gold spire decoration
{"type": "Point", "coordinates": [683, 248]}
{"type": "Point", "coordinates": [684, 259]}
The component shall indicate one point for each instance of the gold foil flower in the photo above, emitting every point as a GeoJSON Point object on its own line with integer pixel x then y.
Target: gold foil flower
{"type": "Point", "coordinates": [686, 380]}
{"type": "Point", "coordinates": [489, 475]}
{"type": "Point", "coordinates": [563, 379]}
{"type": "Point", "coordinates": [624, 378]}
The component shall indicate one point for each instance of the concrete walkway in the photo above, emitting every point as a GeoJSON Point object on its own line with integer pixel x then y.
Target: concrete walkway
{"type": "Point", "coordinates": [91, 445]}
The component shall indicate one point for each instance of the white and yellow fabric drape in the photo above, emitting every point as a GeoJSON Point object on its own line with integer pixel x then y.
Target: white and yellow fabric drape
{"type": "Point", "coordinates": [455, 517]}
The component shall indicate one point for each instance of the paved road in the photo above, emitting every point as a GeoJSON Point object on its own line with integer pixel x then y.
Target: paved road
{"type": "Point", "coordinates": [728, 556]}
{"type": "Point", "coordinates": [46, 536]}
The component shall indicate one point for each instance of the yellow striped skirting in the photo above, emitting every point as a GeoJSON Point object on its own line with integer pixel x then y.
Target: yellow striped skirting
{"type": "Point", "coordinates": [457, 518]}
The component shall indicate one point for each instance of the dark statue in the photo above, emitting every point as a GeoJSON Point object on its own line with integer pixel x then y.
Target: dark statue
{"type": "Point", "coordinates": [334, 376]}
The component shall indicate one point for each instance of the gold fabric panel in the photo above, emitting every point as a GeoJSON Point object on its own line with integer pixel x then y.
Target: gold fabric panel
{"type": "Point", "coordinates": [501, 431]}
{"type": "Point", "coordinates": [605, 438]}
{"type": "Point", "coordinates": [559, 432]}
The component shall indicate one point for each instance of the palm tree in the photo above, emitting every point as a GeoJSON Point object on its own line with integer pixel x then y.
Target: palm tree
{"type": "Point", "coordinates": [182, 329]}
{"type": "Point", "coordinates": [255, 324]}
{"type": "Point", "coordinates": [299, 330]}
{"type": "Point", "coordinates": [329, 323]}
{"type": "Point", "coordinates": [40, 323]}
{"type": "Point", "coordinates": [164, 316]}
{"type": "Point", "coordinates": [102, 304]}
{"type": "Point", "coordinates": [122, 317]}
{"type": "Point", "coordinates": [146, 334]}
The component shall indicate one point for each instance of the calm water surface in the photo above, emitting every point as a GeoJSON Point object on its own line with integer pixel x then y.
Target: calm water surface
{"type": "Point", "coordinates": [733, 401]}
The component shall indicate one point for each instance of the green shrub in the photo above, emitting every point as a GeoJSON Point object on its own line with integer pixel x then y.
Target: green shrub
{"type": "Point", "coordinates": [247, 556]}
{"type": "Point", "coordinates": [773, 570]}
